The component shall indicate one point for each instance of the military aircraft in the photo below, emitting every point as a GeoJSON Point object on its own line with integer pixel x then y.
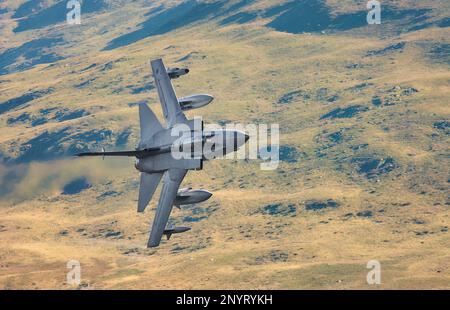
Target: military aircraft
{"type": "Point", "coordinates": [154, 153]}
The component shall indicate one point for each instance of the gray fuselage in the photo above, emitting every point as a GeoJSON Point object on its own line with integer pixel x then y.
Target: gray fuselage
{"type": "Point", "coordinates": [188, 152]}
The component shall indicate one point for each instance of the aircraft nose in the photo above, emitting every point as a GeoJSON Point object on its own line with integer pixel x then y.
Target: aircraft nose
{"type": "Point", "coordinates": [246, 137]}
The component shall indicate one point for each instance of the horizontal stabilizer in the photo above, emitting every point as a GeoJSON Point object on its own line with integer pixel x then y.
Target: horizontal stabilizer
{"type": "Point", "coordinates": [149, 183]}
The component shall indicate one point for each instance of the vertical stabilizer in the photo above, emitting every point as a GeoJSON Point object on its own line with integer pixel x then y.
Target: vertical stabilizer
{"type": "Point", "coordinates": [148, 122]}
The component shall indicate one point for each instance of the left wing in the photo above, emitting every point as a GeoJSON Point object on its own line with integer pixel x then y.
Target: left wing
{"type": "Point", "coordinates": [169, 101]}
{"type": "Point", "coordinates": [171, 183]}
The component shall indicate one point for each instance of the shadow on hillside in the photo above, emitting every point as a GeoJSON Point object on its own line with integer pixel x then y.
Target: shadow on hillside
{"type": "Point", "coordinates": [33, 52]}
{"type": "Point", "coordinates": [315, 16]}
{"type": "Point", "coordinates": [34, 17]}
{"type": "Point", "coordinates": [186, 13]}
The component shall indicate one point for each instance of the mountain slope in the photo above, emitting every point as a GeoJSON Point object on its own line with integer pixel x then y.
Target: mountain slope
{"type": "Point", "coordinates": [364, 124]}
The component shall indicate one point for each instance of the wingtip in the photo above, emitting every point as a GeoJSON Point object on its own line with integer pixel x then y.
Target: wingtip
{"type": "Point", "coordinates": [152, 61]}
{"type": "Point", "coordinates": [152, 245]}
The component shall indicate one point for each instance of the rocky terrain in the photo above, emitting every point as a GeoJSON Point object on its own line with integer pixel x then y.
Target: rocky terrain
{"type": "Point", "coordinates": [364, 143]}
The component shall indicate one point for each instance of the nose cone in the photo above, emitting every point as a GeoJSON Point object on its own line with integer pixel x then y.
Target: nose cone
{"type": "Point", "coordinates": [247, 137]}
{"type": "Point", "coordinates": [206, 194]}
{"type": "Point", "coordinates": [179, 230]}
{"type": "Point", "coordinates": [202, 195]}
{"type": "Point", "coordinates": [188, 197]}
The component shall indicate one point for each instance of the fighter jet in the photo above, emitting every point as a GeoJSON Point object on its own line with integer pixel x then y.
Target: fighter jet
{"type": "Point", "coordinates": [155, 151]}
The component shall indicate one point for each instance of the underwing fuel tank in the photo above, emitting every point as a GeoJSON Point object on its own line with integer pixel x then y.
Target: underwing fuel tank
{"type": "Point", "coordinates": [175, 230]}
{"type": "Point", "coordinates": [187, 196]}
{"type": "Point", "coordinates": [194, 101]}
{"type": "Point", "coordinates": [175, 73]}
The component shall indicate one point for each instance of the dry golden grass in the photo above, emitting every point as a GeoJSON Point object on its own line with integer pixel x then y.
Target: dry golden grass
{"type": "Point", "coordinates": [247, 68]}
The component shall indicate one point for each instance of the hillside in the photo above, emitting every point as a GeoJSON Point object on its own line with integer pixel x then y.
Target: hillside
{"type": "Point", "coordinates": [364, 143]}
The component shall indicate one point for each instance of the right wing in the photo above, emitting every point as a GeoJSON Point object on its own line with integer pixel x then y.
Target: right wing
{"type": "Point", "coordinates": [169, 101]}
{"type": "Point", "coordinates": [171, 183]}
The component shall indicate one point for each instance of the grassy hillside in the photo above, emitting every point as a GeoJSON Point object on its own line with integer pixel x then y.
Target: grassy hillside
{"type": "Point", "coordinates": [364, 144]}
